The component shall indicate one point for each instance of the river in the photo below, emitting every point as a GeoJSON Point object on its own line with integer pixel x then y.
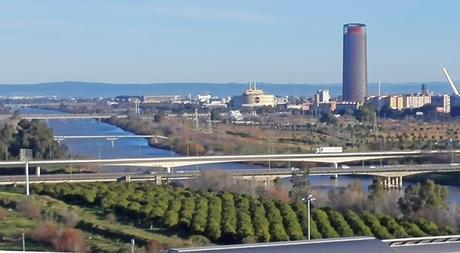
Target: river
{"type": "Point", "coordinates": [138, 147]}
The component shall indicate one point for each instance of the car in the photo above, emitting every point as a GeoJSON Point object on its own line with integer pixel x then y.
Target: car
{"type": "Point", "coordinates": [345, 166]}
{"type": "Point", "coordinates": [372, 167]}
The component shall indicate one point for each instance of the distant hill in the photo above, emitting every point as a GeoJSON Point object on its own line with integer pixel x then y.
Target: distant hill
{"type": "Point", "coordinates": [88, 89]}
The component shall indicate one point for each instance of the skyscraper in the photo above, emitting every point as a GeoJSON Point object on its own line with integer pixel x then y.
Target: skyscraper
{"type": "Point", "coordinates": [354, 62]}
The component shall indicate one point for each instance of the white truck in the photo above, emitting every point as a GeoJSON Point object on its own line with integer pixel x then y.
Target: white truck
{"type": "Point", "coordinates": [324, 150]}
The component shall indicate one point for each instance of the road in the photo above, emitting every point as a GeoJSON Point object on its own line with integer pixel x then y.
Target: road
{"type": "Point", "coordinates": [171, 162]}
{"type": "Point", "coordinates": [69, 116]}
{"type": "Point", "coordinates": [248, 173]}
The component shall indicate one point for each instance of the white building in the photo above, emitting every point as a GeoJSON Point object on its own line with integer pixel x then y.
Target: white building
{"type": "Point", "coordinates": [253, 97]}
{"type": "Point", "coordinates": [322, 96]}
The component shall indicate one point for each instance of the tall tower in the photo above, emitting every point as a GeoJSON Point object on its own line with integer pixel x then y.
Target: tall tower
{"type": "Point", "coordinates": [354, 62]}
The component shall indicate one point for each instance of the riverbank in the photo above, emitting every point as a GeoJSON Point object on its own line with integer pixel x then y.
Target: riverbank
{"type": "Point", "coordinates": [186, 140]}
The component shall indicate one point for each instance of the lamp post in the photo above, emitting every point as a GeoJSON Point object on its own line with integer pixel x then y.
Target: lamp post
{"type": "Point", "coordinates": [23, 242]}
{"type": "Point", "coordinates": [309, 199]}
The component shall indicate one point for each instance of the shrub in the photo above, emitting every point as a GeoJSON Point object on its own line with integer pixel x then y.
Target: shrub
{"type": "Point", "coordinates": [228, 216]}
{"type": "Point", "coordinates": [70, 239]}
{"type": "Point", "coordinates": [171, 217]}
{"type": "Point", "coordinates": [324, 226]}
{"type": "Point", "coordinates": [277, 231]}
{"type": "Point", "coordinates": [244, 223]}
{"type": "Point", "coordinates": [428, 227]}
{"type": "Point", "coordinates": [340, 224]}
{"type": "Point", "coordinates": [377, 229]}
{"type": "Point", "coordinates": [290, 221]}
{"type": "Point", "coordinates": [199, 240]}
{"type": "Point", "coordinates": [153, 247]}
{"type": "Point", "coordinates": [201, 213]}
{"type": "Point", "coordinates": [301, 210]}
{"type": "Point", "coordinates": [214, 218]}
{"type": "Point", "coordinates": [111, 218]}
{"type": "Point", "coordinates": [3, 214]}
{"type": "Point", "coordinates": [259, 221]}
{"type": "Point", "coordinates": [29, 208]}
{"type": "Point", "coordinates": [186, 212]}
{"type": "Point", "coordinates": [412, 229]}
{"type": "Point", "coordinates": [357, 224]}
{"type": "Point", "coordinates": [69, 218]}
{"type": "Point", "coordinates": [393, 227]}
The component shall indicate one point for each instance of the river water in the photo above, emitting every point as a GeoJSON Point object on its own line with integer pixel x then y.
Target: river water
{"type": "Point", "coordinates": [138, 147]}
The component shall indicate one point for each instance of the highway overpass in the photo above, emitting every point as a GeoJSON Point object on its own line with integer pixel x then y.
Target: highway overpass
{"type": "Point", "coordinates": [264, 175]}
{"type": "Point", "coordinates": [65, 116]}
{"type": "Point", "coordinates": [111, 138]}
{"type": "Point", "coordinates": [390, 181]}
{"type": "Point", "coordinates": [171, 162]}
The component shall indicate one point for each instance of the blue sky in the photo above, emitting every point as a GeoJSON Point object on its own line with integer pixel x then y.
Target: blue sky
{"type": "Point", "coordinates": [282, 41]}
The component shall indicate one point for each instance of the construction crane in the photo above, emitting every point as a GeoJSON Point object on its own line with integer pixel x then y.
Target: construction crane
{"type": "Point", "coordinates": [452, 85]}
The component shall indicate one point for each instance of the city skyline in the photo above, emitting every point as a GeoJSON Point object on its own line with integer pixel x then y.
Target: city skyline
{"type": "Point", "coordinates": [220, 42]}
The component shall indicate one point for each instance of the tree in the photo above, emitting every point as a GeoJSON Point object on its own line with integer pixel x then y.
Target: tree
{"type": "Point", "coordinates": [328, 118]}
{"type": "Point", "coordinates": [365, 113]}
{"type": "Point", "coordinates": [300, 185]}
{"type": "Point", "coordinates": [425, 195]}
{"type": "Point", "coordinates": [157, 117]}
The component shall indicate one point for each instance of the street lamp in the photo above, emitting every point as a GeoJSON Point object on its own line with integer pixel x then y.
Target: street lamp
{"type": "Point", "coordinates": [23, 242]}
{"type": "Point", "coordinates": [132, 245]}
{"type": "Point", "coordinates": [309, 199]}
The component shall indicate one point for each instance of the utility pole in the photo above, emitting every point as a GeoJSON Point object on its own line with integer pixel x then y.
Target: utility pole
{"type": "Point", "coordinates": [197, 125]}
{"type": "Point", "coordinates": [209, 124]}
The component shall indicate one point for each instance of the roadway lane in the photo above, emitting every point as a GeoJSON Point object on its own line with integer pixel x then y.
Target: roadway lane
{"type": "Point", "coordinates": [245, 173]}
{"type": "Point", "coordinates": [453, 247]}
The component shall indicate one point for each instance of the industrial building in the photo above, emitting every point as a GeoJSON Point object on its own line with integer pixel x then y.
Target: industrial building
{"type": "Point", "coordinates": [354, 63]}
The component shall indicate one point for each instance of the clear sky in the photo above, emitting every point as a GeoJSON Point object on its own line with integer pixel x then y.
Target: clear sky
{"type": "Point", "coordinates": [282, 41]}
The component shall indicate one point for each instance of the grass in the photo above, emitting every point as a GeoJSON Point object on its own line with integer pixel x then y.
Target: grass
{"type": "Point", "coordinates": [16, 224]}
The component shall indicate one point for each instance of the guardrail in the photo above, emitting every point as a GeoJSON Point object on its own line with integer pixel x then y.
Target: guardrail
{"type": "Point", "coordinates": [423, 240]}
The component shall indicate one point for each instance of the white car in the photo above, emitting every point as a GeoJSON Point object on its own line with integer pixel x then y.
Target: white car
{"type": "Point", "coordinates": [345, 166]}
{"type": "Point", "coordinates": [372, 167]}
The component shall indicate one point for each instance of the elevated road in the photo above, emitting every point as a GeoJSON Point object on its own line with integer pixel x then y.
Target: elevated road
{"type": "Point", "coordinates": [111, 138]}
{"type": "Point", "coordinates": [171, 162]}
{"type": "Point", "coordinates": [391, 181]}
{"type": "Point", "coordinates": [69, 116]}
{"type": "Point", "coordinates": [66, 137]}
{"type": "Point", "coordinates": [252, 174]}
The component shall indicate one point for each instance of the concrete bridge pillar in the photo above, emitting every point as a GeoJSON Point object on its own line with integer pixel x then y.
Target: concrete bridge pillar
{"type": "Point", "coordinates": [158, 180]}
{"type": "Point", "coordinates": [391, 182]}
